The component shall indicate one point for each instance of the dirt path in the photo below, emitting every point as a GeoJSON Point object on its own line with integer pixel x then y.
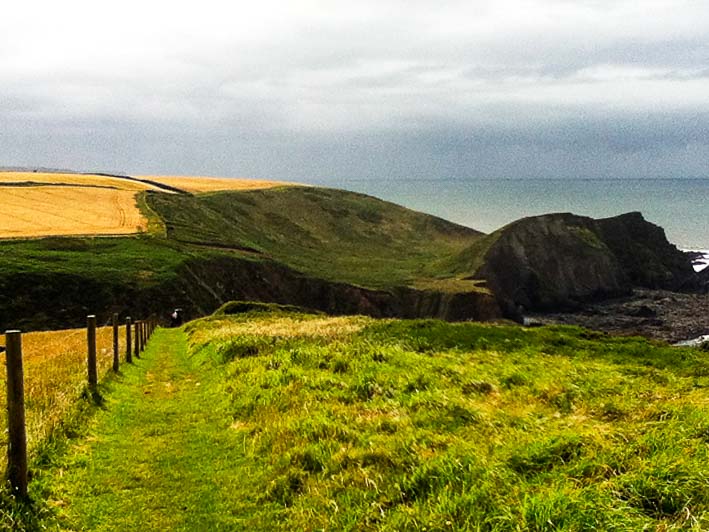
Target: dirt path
{"type": "Point", "coordinates": [161, 455]}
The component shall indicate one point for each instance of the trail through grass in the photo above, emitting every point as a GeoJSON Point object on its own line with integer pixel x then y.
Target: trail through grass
{"type": "Point", "coordinates": [161, 455]}
{"type": "Point", "coordinates": [264, 418]}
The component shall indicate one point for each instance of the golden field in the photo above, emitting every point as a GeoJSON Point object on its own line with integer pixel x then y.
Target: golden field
{"type": "Point", "coordinates": [196, 185]}
{"type": "Point", "coordinates": [55, 377]}
{"type": "Point", "coordinates": [68, 210]}
{"type": "Point", "coordinates": [39, 204]}
{"type": "Point", "coordinates": [74, 179]}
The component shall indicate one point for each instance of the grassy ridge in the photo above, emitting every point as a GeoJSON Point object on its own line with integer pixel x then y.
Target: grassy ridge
{"type": "Point", "coordinates": [331, 234]}
{"type": "Point", "coordinates": [358, 423]}
{"type": "Point", "coordinates": [57, 281]}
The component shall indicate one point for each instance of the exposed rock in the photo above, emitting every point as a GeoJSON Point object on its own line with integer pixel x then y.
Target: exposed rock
{"type": "Point", "coordinates": [561, 261]}
{"type": "Point", "coordinates": [642, 311]}
{"type": "Point", "coordinates": [678, 316]}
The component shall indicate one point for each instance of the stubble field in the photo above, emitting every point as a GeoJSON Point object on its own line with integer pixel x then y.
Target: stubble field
{"type": "Point", "coordinates": [196, 185]}
{"type": "Point", "coordinates": [37, 205]}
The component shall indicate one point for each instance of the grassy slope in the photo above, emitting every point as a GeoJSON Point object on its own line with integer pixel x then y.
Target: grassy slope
{"type": "Point", "coordinates": [354, 423]}
{"type": "Point", "coordinates": [422, 424]}
{"type": "Point", "coordinates": [331, 234]}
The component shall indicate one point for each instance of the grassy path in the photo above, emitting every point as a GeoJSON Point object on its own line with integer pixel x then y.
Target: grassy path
{"type": "Point", "coordinates": [161, 455]}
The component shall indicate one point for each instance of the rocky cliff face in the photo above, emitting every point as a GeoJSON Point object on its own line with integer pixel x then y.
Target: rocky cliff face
{"type": "Point", "coordinates": [557, 261]}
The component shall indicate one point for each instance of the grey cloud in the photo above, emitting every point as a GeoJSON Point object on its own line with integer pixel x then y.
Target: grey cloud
{"type": "Point", "coordinates": [313, 101]}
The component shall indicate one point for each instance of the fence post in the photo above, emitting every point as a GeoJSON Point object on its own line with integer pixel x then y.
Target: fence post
{"type": "Point", "coordinates": [91, 359]}
{"type": "Point", "coordinates": [136, 349]}
{"type": "Point", "coordinates": [116, 358]}
{"type": "Point", "coordinates": [129, 342]}
{"type": "Point", "coordinates": [17, 435]}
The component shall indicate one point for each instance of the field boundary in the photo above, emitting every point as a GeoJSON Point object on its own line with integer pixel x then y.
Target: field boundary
{"type": "Point", "coordinates": [136, 334]}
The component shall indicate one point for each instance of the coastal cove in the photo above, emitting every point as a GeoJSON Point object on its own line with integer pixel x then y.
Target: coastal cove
{"type": "Point", "coordinates": [677, 205]}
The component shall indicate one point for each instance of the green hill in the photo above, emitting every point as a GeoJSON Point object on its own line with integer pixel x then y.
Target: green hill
{"type": "Point", "coordinates": [321, 248]}
{"type": "Point", "coordinates": [333, 250]}
{"type": "Point", "coordinates": [331, 234]}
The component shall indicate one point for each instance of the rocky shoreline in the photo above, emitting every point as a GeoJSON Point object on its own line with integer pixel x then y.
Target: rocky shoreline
{"type": "Point", "coordinates": [657, 314]}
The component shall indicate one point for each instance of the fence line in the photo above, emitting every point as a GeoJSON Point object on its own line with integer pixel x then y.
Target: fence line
{"type": "Point", "coordinates": [47, 372]}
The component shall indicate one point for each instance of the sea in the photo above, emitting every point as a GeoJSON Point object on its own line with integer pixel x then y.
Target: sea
{"type": "Point", "coordinates": [680, 206]}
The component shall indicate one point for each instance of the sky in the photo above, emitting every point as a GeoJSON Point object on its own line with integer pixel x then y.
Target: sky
{"type": "Point", "coordinates": [311, 90]}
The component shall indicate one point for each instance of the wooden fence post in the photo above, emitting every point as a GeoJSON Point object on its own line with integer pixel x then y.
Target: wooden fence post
{"type": "Point", "coordinates": [142, 335]}
{"type": "Point", "coordinates": [136, 326]}
{"type": "Point", "coordinates": [17, 435]}
{"type": "Point", "coordinates": [116, 357]}
{"type": "Point", "coordinates": [91, 359]}
{"type": "Point", "coordinates": [129, 343]}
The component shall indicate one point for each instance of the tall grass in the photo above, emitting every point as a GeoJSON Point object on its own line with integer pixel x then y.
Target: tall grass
{"type": "Point", "coordinates": [55, 370]}
{"type": "Point", "coordinates": [354, 423]}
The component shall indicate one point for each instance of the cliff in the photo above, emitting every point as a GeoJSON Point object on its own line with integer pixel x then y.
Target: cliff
{"type": "Point", "coordinates": [561, 260]}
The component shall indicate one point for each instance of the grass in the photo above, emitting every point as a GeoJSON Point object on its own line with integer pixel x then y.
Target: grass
{"type": "Point", "coordinates": [411, 425]}
{"type": "Point", "coordinates": [55, 378]}
{"type": "Point", "coordinates": [161, 456]}
{"type": "Point", "coordinates": [57, 281]}
{"type": "Point", "coordinates": [330, 234]}
{"type": "Point", "coordinates": [271, 419]}
{"type": "Point", "coordinates": [325, 234]}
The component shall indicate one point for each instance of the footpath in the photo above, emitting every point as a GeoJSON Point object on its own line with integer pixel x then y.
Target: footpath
{"type": "Point", "coordinates": [160, 454]}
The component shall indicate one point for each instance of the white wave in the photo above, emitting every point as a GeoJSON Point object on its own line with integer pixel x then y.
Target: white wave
{"type": "Point", "coordinates": [701, 263]}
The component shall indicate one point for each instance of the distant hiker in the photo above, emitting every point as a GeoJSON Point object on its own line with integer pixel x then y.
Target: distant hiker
{"type": "Point", "coordinates": [176, 318]}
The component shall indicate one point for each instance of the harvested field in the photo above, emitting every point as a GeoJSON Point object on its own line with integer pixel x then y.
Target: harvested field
{"type": "Point", "coordinates": [74, 179]}
{"type": "Point", "coordinates": [32, 211]}
{"type": "Point", "coordinates": [214, 184]}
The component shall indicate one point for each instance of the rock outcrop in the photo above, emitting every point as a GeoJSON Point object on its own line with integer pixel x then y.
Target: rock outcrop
{"type": "Point", "coordinates": [558, 261]}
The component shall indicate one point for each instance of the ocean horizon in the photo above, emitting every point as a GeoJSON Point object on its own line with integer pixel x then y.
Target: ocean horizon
{"type": "Point", "coordinates": [678, 205]}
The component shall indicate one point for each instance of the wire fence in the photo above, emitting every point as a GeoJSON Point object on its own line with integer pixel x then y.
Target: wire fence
{"type": "Point", "coordinates": [55, 368]}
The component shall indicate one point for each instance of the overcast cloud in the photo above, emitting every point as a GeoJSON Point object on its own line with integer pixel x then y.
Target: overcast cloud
{"type": "Point", "coordinates": [313, 89]}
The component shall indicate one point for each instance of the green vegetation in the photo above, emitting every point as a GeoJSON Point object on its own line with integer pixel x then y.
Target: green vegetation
{"type": "Point", "coordinates": [273, 419]}
{"type": "Point", "coordinates": [412, 425]}
{"type": "Point", "coordinates": [326, 234]}
{"type": "Point", "coordinates": [143, 259]}
{"type": "Point", "coordinates": [160, 456]}
{"type": "Point", "coordinates": [330, 234]}
{"type": "Point", "coordinates": [55, 282]}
